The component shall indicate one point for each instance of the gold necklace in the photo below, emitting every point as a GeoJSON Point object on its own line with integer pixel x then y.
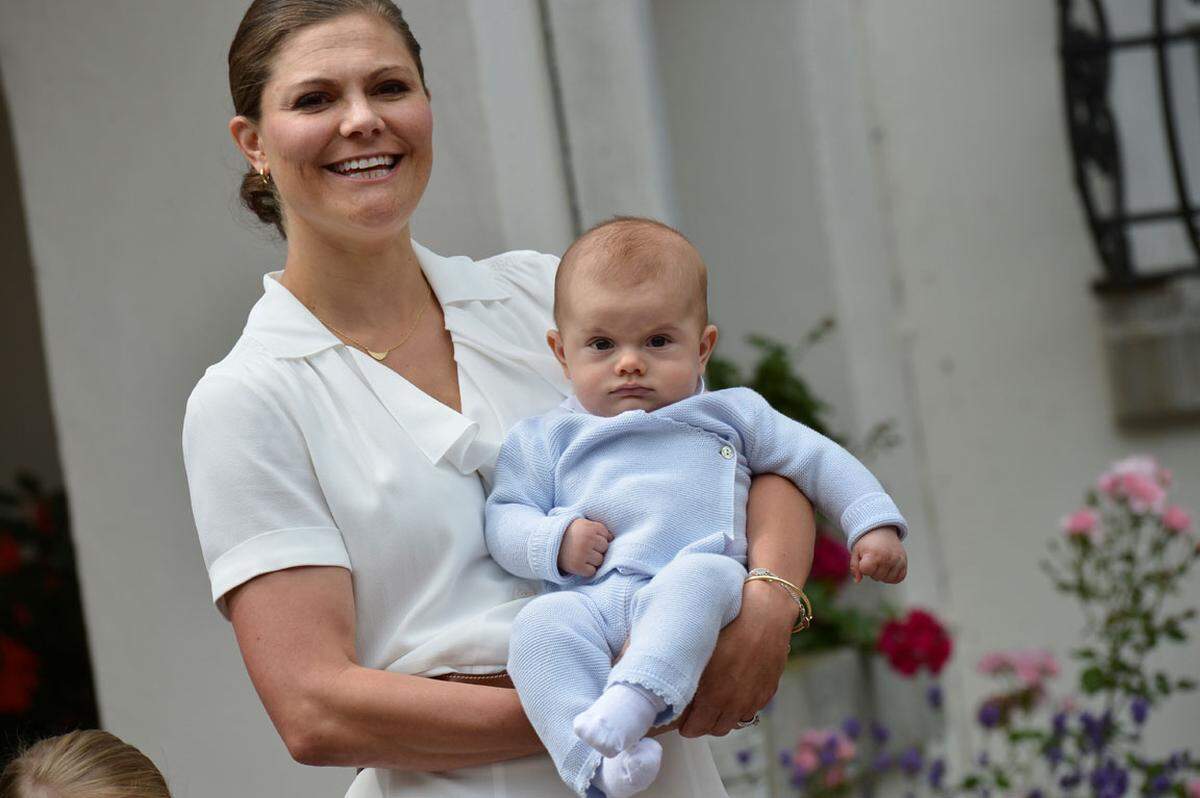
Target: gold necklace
{"type": "Point", "coordinates": [380, 356]}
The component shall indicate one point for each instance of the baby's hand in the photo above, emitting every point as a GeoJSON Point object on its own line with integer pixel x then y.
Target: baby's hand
{"type": "Point", "coordinates": [583, 547]}
{"type": "Point", "coordinates": [880, 555]}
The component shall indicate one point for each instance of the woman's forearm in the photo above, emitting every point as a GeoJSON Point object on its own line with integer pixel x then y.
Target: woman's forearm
{"type": "Point", "coordinates": [780, 533]}
{"type": "Point", "coordinates": [296, 631]}
{"type": "Point", "coordinates": [373, 718]}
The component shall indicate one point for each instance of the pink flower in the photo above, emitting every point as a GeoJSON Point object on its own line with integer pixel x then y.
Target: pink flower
{"type": "Point", "coordinates": [1034, 665]}
{"type": "Point", "coordinates": [993, 663]}
{"type": "Point", "coordinates": [1144, 494]}
{"type": "Point", "coordinates": [1081, 523]}
{"type": "Point", "coordinates": [1176, 519]}
{"type": "Point", "coordinates": [1031, 666]}
{"type": "Point", "coordinates": [1193, 788]}
{"type": "Point", "coordinates": [1138, 480]}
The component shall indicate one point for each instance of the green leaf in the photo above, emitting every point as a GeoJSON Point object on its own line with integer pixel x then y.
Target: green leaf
{"type": "Point", "coordinates": [1185, 684]}
{"type": "Point", "coordinates": [1001, 779]}
{"type": "Point", "coordinates": [1162, 683]}
{"type": "Point", "coordinates": [1093, 680]}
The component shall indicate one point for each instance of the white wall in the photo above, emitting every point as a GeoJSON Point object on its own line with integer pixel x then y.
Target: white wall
{"type": "Point", "coordinates": [994, 263]}
{"type": "Point", "coordinates": [146, 267]}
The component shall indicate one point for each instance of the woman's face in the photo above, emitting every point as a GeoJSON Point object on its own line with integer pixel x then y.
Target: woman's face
{"type": "Point", "coordinates": [345, 130]}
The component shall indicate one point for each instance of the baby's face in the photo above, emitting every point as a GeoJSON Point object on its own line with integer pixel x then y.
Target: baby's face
{"type": "Point", "coordinates": [631, 348]}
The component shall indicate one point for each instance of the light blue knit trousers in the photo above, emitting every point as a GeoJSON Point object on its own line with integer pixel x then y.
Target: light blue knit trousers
{"type": "Point", "coordinates": [563, 644]}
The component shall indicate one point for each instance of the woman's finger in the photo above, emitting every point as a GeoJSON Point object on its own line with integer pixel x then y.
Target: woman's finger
{"type": "Point", "coordinates": [700, 721]}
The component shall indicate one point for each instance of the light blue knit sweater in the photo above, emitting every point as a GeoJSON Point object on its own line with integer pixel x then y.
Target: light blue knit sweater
{"type": "Point", "coordinates": [666, 482]}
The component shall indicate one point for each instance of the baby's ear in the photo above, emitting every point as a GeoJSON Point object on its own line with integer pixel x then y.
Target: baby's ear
{"type": "Point", "coordinates": [708, 342]}
{"type": "Point", "coordinates": [555, 342]}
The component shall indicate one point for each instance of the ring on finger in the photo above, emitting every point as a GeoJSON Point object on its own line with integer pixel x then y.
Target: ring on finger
{"type": "Point", "coordinates": [744, 724]}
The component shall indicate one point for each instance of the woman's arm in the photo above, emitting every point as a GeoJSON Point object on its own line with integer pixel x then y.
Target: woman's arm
{"type": "Point", "coordinates": [752, 650]}
{"type": "Point", "coordinates": [296, 631]}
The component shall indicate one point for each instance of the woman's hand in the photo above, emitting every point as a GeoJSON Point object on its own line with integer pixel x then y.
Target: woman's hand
{"type": "Point", "coordinates": [744, 670]}
{"type": "Point", "coordinates": [752, 650]}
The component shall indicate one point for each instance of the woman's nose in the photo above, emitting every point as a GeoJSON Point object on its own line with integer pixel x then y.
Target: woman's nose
{"type": "Point", "coordinates": [361, 119]}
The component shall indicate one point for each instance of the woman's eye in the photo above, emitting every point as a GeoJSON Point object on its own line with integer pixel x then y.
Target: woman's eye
{"type": "Point", "coordinates": [658, 341]}
{"type": "Point", "coordinates": [393, 87]}
{"type": "Point", "coordinates": [310, 100]}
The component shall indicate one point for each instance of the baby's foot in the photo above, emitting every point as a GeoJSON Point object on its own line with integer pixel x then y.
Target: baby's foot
{"type": "Point", "coordinates": [632, 771]}
{"type": "Point", "coordinates": [619, 718]}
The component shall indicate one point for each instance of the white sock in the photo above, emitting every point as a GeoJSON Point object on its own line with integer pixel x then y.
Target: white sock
{"type": "Point", "coordinates": [630, 772]}
{"type": "Point", "coordinates": [618, 719]}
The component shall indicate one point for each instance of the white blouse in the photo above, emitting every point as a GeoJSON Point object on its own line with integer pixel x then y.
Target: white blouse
{"type": "Point", "coordinates": [301, 450]}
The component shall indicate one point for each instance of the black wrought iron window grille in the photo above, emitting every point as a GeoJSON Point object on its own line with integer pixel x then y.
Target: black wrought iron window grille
{"type": "Point", "coordinates": [1088, 54]}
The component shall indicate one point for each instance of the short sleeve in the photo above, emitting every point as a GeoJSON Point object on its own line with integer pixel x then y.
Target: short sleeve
{"type": "Point", "coordinates": [256, 500]}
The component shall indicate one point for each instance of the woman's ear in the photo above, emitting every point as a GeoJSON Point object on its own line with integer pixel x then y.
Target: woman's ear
{"type": "Point", "coordinates": [708, 342]}
{"type": "Point", "coordinates": [555, 342]}
{"type": "Point", "coordinates": [245, 136]}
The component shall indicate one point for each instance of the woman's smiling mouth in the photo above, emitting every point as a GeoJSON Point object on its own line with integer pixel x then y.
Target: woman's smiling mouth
{"type": "Point", "coordinates": [366, 167]}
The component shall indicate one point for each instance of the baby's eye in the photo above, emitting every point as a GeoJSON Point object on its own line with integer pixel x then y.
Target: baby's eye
{"type": "Point", "coordinates": [601, 344]}
{"type": "Point", "coordinates": [658, 341]}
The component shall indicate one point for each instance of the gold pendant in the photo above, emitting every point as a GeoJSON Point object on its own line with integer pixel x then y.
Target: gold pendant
{"type": "Point", "coordinates": [380, 356]}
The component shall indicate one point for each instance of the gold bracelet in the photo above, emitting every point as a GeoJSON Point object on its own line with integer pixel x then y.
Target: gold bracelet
{"type": "Point", "coordinates": [806, 613]}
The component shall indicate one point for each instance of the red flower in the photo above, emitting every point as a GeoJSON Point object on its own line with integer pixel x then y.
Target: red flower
{"type": "Point", "coordinates": [831, 560]}
{"type": "Point", "coordinates": [18, 677]}
{"type": "Point", "coordinates": [21, 615]}
{"type": "Point", "coordinates": [43, 517]}
{"type": "Point", "coordinates": [10, 554]}
{"type": "Point", "coordinates": [919, 640]}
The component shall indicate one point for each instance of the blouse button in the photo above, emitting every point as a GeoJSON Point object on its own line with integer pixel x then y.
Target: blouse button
{"type": "Point", "coordinates": [727, 452]}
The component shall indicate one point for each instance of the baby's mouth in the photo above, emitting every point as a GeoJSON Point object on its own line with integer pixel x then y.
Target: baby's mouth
{"type": "Point", "coordinates": [365, 168]}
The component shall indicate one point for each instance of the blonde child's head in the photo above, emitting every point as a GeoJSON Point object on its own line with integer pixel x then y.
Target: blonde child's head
{"type": "Point", "coordinates": [631, 309]}
{"type": "Point", "coordinates": [82, 764]}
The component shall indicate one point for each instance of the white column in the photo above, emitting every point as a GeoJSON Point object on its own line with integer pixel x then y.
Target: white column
{"type": "Point", "coordinates": [608, 80]}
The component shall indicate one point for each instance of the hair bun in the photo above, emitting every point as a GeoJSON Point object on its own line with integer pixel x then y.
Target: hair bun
{"type": "Point", "coordinates": [259, 196]}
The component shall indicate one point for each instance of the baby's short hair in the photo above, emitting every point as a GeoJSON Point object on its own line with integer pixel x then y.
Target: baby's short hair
{"type": "Point", "coordinates": [629, 250]}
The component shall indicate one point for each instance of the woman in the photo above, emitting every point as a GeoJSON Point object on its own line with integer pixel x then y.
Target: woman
{"type": "Point", "coordinates": [338, 456]}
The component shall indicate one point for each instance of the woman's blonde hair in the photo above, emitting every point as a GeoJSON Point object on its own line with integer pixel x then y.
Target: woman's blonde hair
{"type": "Point", "coordinates": [82, 764]}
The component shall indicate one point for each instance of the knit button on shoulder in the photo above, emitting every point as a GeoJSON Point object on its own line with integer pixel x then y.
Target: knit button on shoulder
{"type": "Point", "coordinates": [727, 452]}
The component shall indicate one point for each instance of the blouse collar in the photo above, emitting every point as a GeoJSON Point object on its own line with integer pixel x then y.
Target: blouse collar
{"type": "Point", "coordinates": [288, 329]}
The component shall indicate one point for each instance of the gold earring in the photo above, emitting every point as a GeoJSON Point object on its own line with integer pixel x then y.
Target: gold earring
{"type": "Point", "coordinates": [265, 176]}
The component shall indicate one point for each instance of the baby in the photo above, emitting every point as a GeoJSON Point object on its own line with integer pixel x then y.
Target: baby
{"type": "Point", "coordinates": [630, 501]}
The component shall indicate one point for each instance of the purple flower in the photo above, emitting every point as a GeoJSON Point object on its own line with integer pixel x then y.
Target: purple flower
{"type": "Point", "coordinates": [879, 732]}
{"type": "Point", "coordinates": [989, 715]}
{"type": "Point", "coordinates": [744, 756]}
{"type": "Point", "coordinates": [785, 758]}
{"type": "Point", "coordinates": [1161, 783]}
{"type": "Point", "coordinates": [1060, 724]}
{"type": "Point", "coordinates": [1096, 730]}
{"type": "Point", "coordinates": [1054, 756]}
{"type": "Point", "coordinates": [829, 752]}
{"type": "Point", "coordinates": [937, 772]}
{"type": "Point", "coordinates": [1109, 780]}
{"type": "Point", "coordinates": [1139, 709]}
{"type": "Point", "coordinates": [882, 763]}
{"type": "Point", "coordinates": [934, 696]}
{"type": "Point", "coordinates": [799, 779]}
{"type": "Point", "coordinates": [852, 727]}
{"type": "Point", "coordinates": [910, 761]}
{"type": "Point", "coordinates": [1071, 780]}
